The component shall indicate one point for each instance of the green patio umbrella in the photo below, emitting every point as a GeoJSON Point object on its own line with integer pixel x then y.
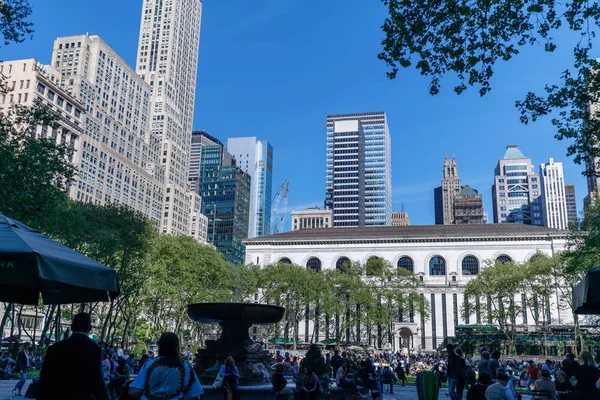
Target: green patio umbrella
{"type": "Point", "coordinates": [586, 295]}
{"type": "Point", "coordinates": [32, 264]}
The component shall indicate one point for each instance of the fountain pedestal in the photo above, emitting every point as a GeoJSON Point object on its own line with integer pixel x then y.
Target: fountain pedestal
{"type": "Point", "coordinates": [235, 320]}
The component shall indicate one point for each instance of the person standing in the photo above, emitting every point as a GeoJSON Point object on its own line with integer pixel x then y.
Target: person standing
{"type": "Point", "coordinates": [495, 364]}
{"type": "Point", "coordinates": [484, 363]}
{"type": "Point", "coordinates": [21, 368]}
{"type": "Point", "coordinates": [401, 374]}
{"type": "Point", "coordinates": [587, 375]}
{"type": "Point", "coordinates": [533, 372]}
{"type": "Point", "coordinates": [454, 367]}
{"type": "Point", "coordinates": [72, 368]}
{"type": "Point", "coordinates": [462, 375]}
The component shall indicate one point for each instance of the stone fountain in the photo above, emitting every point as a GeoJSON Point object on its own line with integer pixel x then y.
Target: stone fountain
{"type": "Point", "coordinates": [235, 319]}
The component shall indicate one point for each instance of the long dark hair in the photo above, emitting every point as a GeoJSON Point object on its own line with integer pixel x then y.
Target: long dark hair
{"type": "Point", "coordinates": [168, 348]}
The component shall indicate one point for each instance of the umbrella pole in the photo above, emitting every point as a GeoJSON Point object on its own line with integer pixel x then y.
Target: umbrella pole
{"type": "Point", "coordinates": [57, 324]}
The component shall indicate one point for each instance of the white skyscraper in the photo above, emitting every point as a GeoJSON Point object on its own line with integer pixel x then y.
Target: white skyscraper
{"type": "Point", "coordinates": [167, 60]}
{"type": "Point", "coordinates": [554, 200]}
{"type": "Point", "coordinates": [375, 166]}
{"type": "Point", "coordinates": [119, 158]}
{"type": "Point", "coordinates": [255, 157]}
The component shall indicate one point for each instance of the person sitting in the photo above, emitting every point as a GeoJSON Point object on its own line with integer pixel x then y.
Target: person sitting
{"type": "Point", "coordinates": [562, 383]}
{"type": "Point", "coordinates": [477, 391]}
{"type": "Point", "coordinates": [544, 387]}
{"type": "Point", "coordinates": [167, 376]}
{"type": "Point", "coordinates": [231, 375]}
{"type": "Point", "coordinates": [119, 379]}
{"type": "Point", "coordinates": [499, 390]}
{"type": "Point", "coordinates": [280, 383]}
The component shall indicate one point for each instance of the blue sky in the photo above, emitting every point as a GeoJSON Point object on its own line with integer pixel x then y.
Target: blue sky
{"type": "Point", "coordinates": [275, 68]}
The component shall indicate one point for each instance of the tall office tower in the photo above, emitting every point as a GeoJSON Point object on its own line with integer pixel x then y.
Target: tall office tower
{"type": "Point", "coordinates": [445, 194]}
{"type": "Point", "coordinates": [377, 167]}
{"type": "Point", "coordinates": [225, 192]}
{"type": "Point", "coordinates": [167, 60]}
{"type": "Point", "coordinates": [572, 216]}
{"type": "Point", "coordinates": [516, 191]}
{"type": "Point", "coordinates": [468, 207]}
{"type": "Point", "coordinates": [345, 191]}
{"type": "Point", "coordinates": [199, 140]}
{"type": "Point", "coordinates": [554, 201]}
{"type": "Point", "coordinates": [400, 219]}
{"type": "Point", "coordinates": [255, 157]}
{"type": "Point", "coordinates": [120, 158]}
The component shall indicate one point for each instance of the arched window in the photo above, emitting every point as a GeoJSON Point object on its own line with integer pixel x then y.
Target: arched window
{"type": "Point", "coordinates": [470, 266]}
{"type": "Point", "coordinates": [342, 263]}
{"type": "Point", "coordinates": [503, 258]}
{"type": "Point", "coordinates": [314, 263]}
{"type": "Point", "coordinates": [437, 266]}
{"type": "Point", "coordinates": [375, 266]}
{"type": "Point", "coordinates": [406, 263]}
{"type": "Point", "coordinates": [285, 260]}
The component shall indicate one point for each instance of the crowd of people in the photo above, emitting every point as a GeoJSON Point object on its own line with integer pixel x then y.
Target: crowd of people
{"type": "Point", "coordinates": [105, 373]}
{"type": "Point", "coordinates": [499, 379]}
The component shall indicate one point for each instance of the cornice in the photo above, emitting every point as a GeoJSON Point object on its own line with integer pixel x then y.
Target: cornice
{"type": "Point", "coordinates": [464, 239]}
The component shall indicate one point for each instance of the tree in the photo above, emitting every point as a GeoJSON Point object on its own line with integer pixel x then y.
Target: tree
{"type": "Point", "coordinates": [498, 283]}
{"type": "Point", "coordinates": [35, 171]}
{"type": "Point", "coordinates": [467, 38]}
{"type": "Point", "coordinates": [14, 26]}
{"type": "Point", "coordinates": [183, 271]}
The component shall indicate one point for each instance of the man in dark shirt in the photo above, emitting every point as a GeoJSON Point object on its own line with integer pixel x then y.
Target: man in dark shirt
{"type": "Point", "coordinates": [453, 372]}
{"type": "Point", "coordinates": [569, 365]}
{"type": "Point", "coordinates": [72, 369]}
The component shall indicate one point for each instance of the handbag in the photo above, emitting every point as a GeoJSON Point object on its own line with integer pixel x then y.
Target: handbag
{"type": "Point", "coordinates": [218, 383]}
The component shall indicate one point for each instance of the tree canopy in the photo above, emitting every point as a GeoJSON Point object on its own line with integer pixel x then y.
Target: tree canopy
{"type": "Point", "coordinates": [465, 39]}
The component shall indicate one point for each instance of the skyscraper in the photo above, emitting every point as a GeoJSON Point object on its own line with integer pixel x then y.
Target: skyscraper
{"type": "Point", "coordinates": [516, 191]}
{"type": "Point", "coordinates": [468, 207]}
{"type": "Point", "coordinates": [376, 165]}
{"type": "Point", "coordinates": [199, 140]}
{"type": "Point", "coordinates": [400, 218]}
{"type": "Point", "coordinates": [167, 60]}
{"type": "Point", "coordinates": [572, 216]}
{"type": "Point", "coordinates": [120, 159]}
{"type": "Point", "coordinates": [445, 194]}
{"type": "Point", "coordinates": [255, 157]}
{"type": "Point", "coordinates": [554, 202]}
{"type": "Point", "coordinates": [225, 192]}
{"type": "Point", "coordinates": [345, 193]}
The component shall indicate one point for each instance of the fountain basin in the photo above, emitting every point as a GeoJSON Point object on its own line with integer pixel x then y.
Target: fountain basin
{"type": "Point", "coordinates": [235, 320]}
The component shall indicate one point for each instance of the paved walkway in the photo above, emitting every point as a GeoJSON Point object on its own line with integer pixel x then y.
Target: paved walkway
{"type": "Point", "coordinates": [400, 392]}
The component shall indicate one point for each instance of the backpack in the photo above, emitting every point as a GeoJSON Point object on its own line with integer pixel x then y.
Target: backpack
{"type": "Point", "coordinates": [471, 379]}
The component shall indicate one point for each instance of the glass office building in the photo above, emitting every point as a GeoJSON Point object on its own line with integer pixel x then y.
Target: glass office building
{"type": "Point", "coordinates": [225, 192]}
{"type": "Point", "coordinates": [376, 167]}
{"type": "Point", "coordinates": [255, 157]}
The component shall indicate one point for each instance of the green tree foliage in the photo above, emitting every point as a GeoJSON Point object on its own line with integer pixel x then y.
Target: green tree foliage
{"type": "Point", "coordinates": [466, 38]}
{"type": "Point", "coordinates": [14, 26]}
{"type": "Point", "coordinates": [183, 271]}
{"type": "Point", "coordinates": [497, 284]}
{"type": "Point", "coordinates": [34, 171]}
{"type": "Point", "coordinates": [314, 359]}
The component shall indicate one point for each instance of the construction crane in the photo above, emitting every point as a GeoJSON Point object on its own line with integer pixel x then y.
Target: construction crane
{"type": "Point", "coordinates": [277, 216]}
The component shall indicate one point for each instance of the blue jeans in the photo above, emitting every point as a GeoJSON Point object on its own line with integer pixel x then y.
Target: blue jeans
{"type": "Point", "coordinates": [452, 389]}
{"type": "Point", "coordinates": [19, 385]}
{"type": "Point", "coordinates": [529, 382]}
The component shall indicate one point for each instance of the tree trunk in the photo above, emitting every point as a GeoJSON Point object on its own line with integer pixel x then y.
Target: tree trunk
{"type": "Point", "coordinates": [47, 322]}
{"type": "Point", "coordinates": [7, 311]}
{"type": "Point", "coordinates": [106, 319]}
